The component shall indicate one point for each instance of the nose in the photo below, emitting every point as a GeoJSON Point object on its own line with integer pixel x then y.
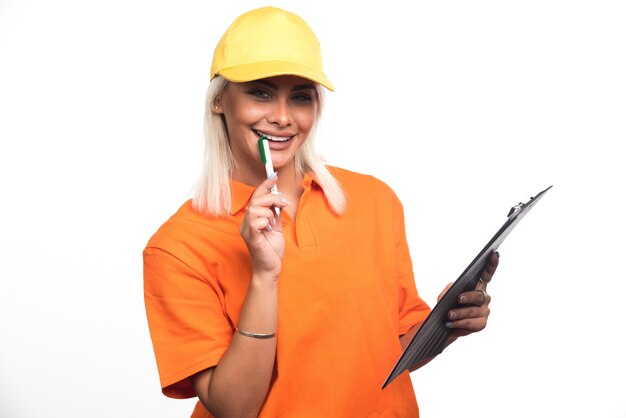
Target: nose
{"type": "Point", "coordinates": [280, 113]}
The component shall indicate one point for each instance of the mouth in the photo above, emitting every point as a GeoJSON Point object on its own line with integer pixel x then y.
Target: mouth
{"type": "Point", "coordinates": [273, 138]}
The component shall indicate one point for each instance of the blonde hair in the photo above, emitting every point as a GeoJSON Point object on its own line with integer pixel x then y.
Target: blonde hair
{"type": "Point", "coordinates": [213, 195]}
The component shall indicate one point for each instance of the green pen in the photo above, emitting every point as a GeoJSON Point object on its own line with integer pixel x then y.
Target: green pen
{"type": "Point", "coordinates": [266, 159]}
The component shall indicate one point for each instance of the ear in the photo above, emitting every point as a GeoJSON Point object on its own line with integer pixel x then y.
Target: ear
{"type": "Point", "coordinates": [217, 107]}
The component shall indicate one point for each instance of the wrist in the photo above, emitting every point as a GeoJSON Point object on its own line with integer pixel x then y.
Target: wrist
{"type": "Point", "coordinates": [264, 279]}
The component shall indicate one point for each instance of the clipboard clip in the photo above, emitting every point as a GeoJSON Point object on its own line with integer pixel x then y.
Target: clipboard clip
{"type": "Point", "coordinates": [522, 205]}
{"type": "Point", "coordinates": [514, 209]}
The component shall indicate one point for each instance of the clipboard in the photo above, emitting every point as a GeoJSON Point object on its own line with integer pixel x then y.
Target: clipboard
{"type": "Point", "coordinates": [430, 339]}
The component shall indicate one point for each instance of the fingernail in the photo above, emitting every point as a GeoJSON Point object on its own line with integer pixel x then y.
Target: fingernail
{"type": "Point", "coordinates": [498, 254]}
{"type": "Point", "coordinates": [449, 324]}
{"type": "Point", "coordinates": [271, 177]}
{"type": "Point", "coordinates": [269, 228]}
{"type": "Point", "coordinates": [452, 315]}
{"type": "Point", "coordinates": [462, 299]}
{"type": "Point", "coordinates": [282, 199]}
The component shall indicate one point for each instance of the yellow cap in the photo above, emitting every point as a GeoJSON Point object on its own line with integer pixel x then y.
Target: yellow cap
{"type": "Point", "coordinates": [268, 42]}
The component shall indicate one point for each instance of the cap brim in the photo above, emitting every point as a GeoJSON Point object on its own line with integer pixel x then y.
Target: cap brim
{"type": "Point", "coordinates": [255, 71]}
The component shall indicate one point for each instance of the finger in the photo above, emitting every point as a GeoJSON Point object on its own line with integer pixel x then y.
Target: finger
{"type": "Point", "coordinates": [255, 212]}
{"type": "Point", "coordinates": [477, 297]}
{"type": "Point", "coordinates": [491, 267]}
{"type": "Point", "coordinates": [268, 201]}
{"type": "Point", "coordinates": [261, 224]}
{"type": "Point", "coordinates": [443, 292]}
{"type": "Point", "coordinates": [471, 325]}
{"type": "Point", "coordinates": [257, 219]}
{"type": "Point", "coordinates": [265, 187]}
{"type": "Point", "coordinates": [469, 313]}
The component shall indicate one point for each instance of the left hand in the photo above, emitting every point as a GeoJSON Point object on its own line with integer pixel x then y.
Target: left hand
{"type": "Point", "coordinates": [473, 316]}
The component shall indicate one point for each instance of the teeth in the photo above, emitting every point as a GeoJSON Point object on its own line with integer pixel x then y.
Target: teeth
{"type": "Point", "coordinates": [278, 138]}
{"type": "Point", "coordinates": [274, 138]}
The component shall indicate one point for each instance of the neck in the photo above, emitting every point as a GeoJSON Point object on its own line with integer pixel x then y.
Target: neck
{"type": "Point", "coordinates": [289, 182]}
{"type": "Point", "coordinates": [291, 186]}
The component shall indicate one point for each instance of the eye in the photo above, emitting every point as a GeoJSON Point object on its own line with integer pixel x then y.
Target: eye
{"type": "Point", "coordinates": [259, 93]}
{"type": "Point", "coordinates": [302, 98]}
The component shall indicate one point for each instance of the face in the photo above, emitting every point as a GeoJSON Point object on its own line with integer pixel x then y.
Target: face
{"type": "Point", "coordinates": [282, 108]}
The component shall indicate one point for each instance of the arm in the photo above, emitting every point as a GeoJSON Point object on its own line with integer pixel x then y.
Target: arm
{"type": "Point", "coordinates": [239, 384]}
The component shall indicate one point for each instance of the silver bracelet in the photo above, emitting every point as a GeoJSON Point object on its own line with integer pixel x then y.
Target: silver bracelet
{"type": "Point", "coordinates": [258, 336]}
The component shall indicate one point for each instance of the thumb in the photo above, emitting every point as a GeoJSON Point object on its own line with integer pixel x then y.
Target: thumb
{"type": "Point", "coordinates": [443, 292]}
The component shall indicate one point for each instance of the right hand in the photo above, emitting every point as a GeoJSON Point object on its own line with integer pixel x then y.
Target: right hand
{"type": "Point", "coordinates": [262, 231]}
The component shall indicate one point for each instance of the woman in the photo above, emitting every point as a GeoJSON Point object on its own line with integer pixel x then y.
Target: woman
{"type": "Point", "coordinates": [301, 314]}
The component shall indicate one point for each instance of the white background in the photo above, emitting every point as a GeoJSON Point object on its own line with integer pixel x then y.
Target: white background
{"type": "Point", "coordinates": [464, 107]}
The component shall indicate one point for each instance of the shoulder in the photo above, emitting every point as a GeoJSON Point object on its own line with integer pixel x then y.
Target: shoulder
{"type": "Point", "coordinates": [362, 186]}
{"type": "Point", "coordinates": [176, 227]}
{"type": "Point", "coordinates": [190, 235]}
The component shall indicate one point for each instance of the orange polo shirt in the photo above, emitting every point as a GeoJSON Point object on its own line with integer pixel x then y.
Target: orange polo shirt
{"type": "Point", "coordinates": [346, 294]}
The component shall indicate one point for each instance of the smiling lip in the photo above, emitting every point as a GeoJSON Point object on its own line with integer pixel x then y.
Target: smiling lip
{"type": "Point", "coordinates": [273, 138]}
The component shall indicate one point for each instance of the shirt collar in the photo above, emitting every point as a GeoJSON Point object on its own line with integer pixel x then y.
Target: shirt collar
{"type": "Point", "coordinates": [241, 193]}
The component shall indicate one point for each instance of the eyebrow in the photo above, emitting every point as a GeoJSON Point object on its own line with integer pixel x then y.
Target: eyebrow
{"type": "Point", "coordinates": [273, 86]}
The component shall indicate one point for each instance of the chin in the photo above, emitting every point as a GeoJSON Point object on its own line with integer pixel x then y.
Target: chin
{"type": "Point", "coordinates": [282, 163]}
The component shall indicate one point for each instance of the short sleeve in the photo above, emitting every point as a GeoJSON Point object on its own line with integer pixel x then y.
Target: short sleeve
{"type": "Point", "coordinates": [189, 328]}
{"type": "Point", "coordinates": [412, 309]}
